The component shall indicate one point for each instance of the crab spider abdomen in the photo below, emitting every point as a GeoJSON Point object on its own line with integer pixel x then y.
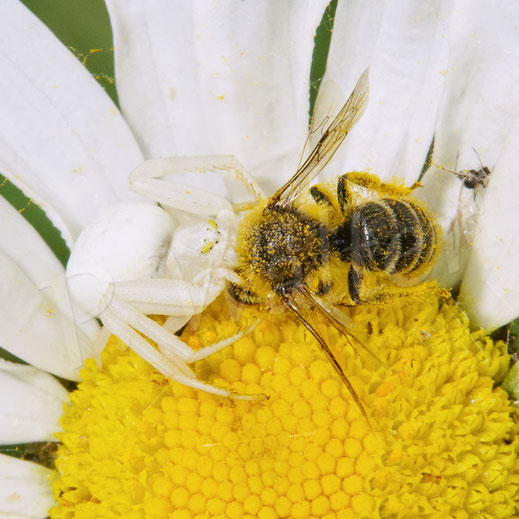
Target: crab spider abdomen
{"type": "Point", "coordinates": [129, 241]}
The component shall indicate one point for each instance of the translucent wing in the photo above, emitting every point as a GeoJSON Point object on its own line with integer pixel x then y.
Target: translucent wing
{"type": "Point", "coordinates": [328, 144]}
{"type": "Point", "coordinates": [290, 302]}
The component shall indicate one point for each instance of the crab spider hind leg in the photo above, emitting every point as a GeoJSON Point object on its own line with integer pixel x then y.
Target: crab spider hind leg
{"type": "Point", "coordinates": [170, 359]}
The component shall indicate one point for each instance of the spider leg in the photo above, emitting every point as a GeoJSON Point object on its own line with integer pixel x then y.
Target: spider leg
{"type": "Point", "coordinates": [175, 297]}
{"type": "Point", "coordinates": [168, 343]}
{"type": "Point", "coordinates": [170, 364]}
{"type": "Point", "coordinates": [192, 200]}
{"type": "Point", "coordinates": [145, 178]}
{"type": "Point", "coordinates": [168, 296]}
{"type": "Point", "coordinates": [148, 327]}
{"type": "Point", "coordinates": [176, 370]}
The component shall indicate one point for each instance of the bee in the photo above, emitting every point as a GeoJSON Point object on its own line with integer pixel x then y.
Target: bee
{"type": "Point", "coordinates": [314, 249]}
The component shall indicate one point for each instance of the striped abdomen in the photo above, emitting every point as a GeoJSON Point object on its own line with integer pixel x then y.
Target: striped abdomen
{"type": "Point", "coordinates": [394, 236]}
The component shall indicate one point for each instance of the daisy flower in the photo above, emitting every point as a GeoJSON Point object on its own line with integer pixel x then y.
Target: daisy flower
{"type": "Point", "coordinates": [231, 78]}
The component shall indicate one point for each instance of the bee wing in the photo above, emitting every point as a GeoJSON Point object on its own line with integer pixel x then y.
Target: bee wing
{"type": "Point", "coordinates": [336, 318]}
{"type": "Point", "coordinates": [291, 303]}
{"type": "Point", "coordinates": [331, 96]}
{"type": "Point", "coordinates": [329, 143]}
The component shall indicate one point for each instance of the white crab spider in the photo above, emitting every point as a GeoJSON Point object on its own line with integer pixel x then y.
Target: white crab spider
{"type": "Point", "coordinates": [139, 258]}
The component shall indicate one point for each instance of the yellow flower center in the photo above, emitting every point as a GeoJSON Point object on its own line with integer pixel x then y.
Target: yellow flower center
{"type": "Point", "coordinates": [440, 442]}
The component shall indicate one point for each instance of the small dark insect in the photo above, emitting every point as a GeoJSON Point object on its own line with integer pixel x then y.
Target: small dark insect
{"type": "Point", "coordinates": [312, 249]}
{"type": "Point", "coordinates": [463, 226]}
{"type": "Point", "coordinates": [473, 178]}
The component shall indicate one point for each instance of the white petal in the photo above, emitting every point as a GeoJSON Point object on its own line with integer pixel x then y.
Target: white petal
{"type": "Point", "coordinates": [478, 112]}
{"type": "Point", "coordinates": [225, 77]}
{"type": "Point", "coordinates": [24, 489]}
{"type": "Point", "coordinates": [490, 288]}
{"type": "Point", "coordinates": [31, 404]}
{"type": "Point", "coordinates": [62, 140]}
{"type": "Point", "coordinates": [35, 309]}
{"type": "Point", "coordinates": [403, 44]}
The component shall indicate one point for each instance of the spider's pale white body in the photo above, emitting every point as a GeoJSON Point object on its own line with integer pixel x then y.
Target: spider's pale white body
{"type": "Point", "coordinates": [139, 258]}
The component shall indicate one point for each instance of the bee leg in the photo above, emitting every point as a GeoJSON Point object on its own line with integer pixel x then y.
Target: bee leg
{"type": "Point", "coordinates": [373, 183]}
{"type": "Point", "coordinates": [354, 284]}
{"type": "Point", "coordinates": [320, 197]}
{"type": "Point", "coordinates": [242, 295]}
{"type": "Point", "coordinates": [343, 193]}
{"type": "Point", "coordinates": [423, 289]}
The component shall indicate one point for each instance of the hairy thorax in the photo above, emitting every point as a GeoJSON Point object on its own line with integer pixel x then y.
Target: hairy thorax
{"type": "Point", "coordinates": [279, 250]}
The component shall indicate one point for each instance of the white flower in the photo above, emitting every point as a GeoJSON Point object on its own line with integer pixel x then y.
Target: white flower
{"type": "Point", "coordinates": [232, 78]}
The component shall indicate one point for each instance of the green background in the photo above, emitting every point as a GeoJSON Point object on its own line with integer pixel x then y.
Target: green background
{"type": "Point", "coordinates": [83, 26]}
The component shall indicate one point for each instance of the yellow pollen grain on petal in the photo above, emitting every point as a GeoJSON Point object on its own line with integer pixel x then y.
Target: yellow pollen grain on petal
{"type": "Point", "coordinates": [440, 440]}
{"type": "Point", "coordinates": [295, 493]}
{"type": "Point", "coordinates": [241, 491]}
{"type": "Point", "coordinates": [180, 497]}
{"type": "Point", "coordinates": [311, 451]}
{"type": "Point", "coordinates": [209, 487]}
{"type": "Point", "coordinates": [322, 418]}
{"type": "Point", "coordinates": [301, 355]}
{"type": "Point", "coordinates": [295, 476]}
{"type": "Point", "coordinates": [359, 429]}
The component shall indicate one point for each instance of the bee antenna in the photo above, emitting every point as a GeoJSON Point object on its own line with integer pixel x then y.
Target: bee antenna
{"type": "Point", "coordinates": [290, 305]}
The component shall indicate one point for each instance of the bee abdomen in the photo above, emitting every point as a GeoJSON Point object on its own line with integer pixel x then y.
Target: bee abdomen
{"type": "Point", "coordinates": [416, 235]}
{"type": "Point", "coordinates": [394, 236]}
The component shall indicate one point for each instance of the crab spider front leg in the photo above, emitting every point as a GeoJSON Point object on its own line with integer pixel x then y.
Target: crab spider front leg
{"type": "Point", "coordinates": [146, 180]}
